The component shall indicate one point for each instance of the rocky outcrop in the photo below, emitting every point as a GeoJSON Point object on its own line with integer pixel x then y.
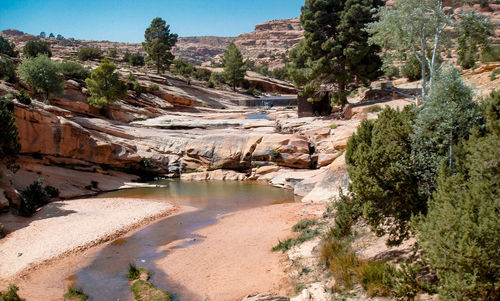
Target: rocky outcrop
{"type": "Point", "coordinates": [266, 297]}
{"type": "Point", "coordinates": [201, 49]}
{"type": "Point", "coordinates": [270, 41]}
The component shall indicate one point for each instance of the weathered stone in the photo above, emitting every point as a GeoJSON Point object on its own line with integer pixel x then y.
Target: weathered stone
{"type": "Point", "coordinates": [215, 175]}
{"type": "Point", "coordinates": [265, 297]}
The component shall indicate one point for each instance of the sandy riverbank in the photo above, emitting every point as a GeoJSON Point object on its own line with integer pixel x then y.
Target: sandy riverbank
{"type": "Point", "coordinates": [234, 258]}
{"type": "Point", "coordinates": [64, 227]}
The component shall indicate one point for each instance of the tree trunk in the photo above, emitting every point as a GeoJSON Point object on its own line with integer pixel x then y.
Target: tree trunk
{"type": "Point", "coordinates": [423, 63]}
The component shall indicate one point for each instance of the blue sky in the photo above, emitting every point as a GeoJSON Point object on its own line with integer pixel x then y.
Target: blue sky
{"type": "Point", "coordinates": [126, 20]}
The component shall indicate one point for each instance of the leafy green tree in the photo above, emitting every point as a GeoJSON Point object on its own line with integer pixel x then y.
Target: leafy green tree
{"type": "Point", "coordinates": [159, 42]}
{"type": "Point", "coordinates": [42, 74]}
{"type": "Point", "coordinates": [383, 183]}
{"type": "Point", "coordinates": [35, 48]}
{"type": "Point", "coordinates": [448, 116]}
{"type": "Point", "coordinates": [105, 85]}
{"type": "Point", "coordinates": [335, 48]}
{"type": "Point", "coordinates": [459, 235]}
{"type": "Point", "coordinates": [89, 53]}
{"type": "Point", "coordinates": [234, 67]}
{"type": "Point", "coordinates": [42, 35]}
{"type": "Point", "coordinates": [51, 35]}
{"type": "Point", "coordinates": [7, 48]}
{"type": "Point", "coordinates": [412, 27]}
{"type": "Point", "coordinates": [473, 33]}
{"type": "Point", "coordinates": [59, 37]}
{"type": "Point", "coordinates": [9, 136]}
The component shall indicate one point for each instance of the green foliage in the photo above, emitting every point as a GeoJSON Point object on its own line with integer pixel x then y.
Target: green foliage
{"type": "Point", "coordinates": [490, 54]}
{"type": "Point", "coordinates": [284, 245]}
{"type": "Point", "coordinates": [341, 261]}
{"type": "Point", "coordinates": [136, 86]}
{"type": "Point", "coordinates": [234, 67]}
{"type": "Point", "coordinates": [447, 117]}
{"type": "Point", "coordinates": [74, 70]}
{"type": "Point", "coordinates": [9, 136]}
{"type": "Point", "coordinates": [373, 109]}
{"type": "Point", "coordinates": [154, 87]}
{"type": "Point", "coordinates": [7, 48]}
{"type": "Point", "coordinates": [136, 59]}
{"type": "Point", "coordinates": [411, 29]}
{"type": "Point", "coordinates": [23, 97]}
{"type": "Point", "coordinates": [304, 224]}
{"type": "Point", "coordinates": [7, 69]}
{"type": "Point", "coordinates": [333, 126]}
{"type": "Point", "coordinates": [347, 212]}
{"type": "Point", "coordinates": [380, 167]}
{"type": "Point", "coordinates": [459, 235]}
{"type": "Point", "coordinates": [217, 78]}
{"type": "Point", "coordinates": [34, 197]}
{"type": "Point", "coordinates": [75, 294]}
{"type": "Point", "coordinates": [35, 48]}
{"type": "Point", "coordinates": [335, 48]}
{"type": "Point", "coordinates": [375, 277]}
{"type": "Point", "coordinates": [89, 53]}
{"type": "Point", "coordinates": [274, 154]}
{"type": "Point", "coordinates": [406, 283]}
{"type": "Point", "coordinates": [146, 291]}
{"type": "Point", "coordinates": [494, 74]}
{"type": "Point", "coordinates": [411, 69]}
{"type": "Point", "coordinates": [42, 74]}
{"type": "Point", "coordinates": [473, 32]}
{"type": "Point", "coordinates": [134, 273]}
{"type": "Point", "coordinates": [183, 67]}
{"type": "Point", "coordinates": [105, 85]}
{"type": "Point", "coordinates": [112, 53]}
{"type": "Point", "coordinates": [158, 43]}
{"type": "Point", "coordinates": [10, 294]}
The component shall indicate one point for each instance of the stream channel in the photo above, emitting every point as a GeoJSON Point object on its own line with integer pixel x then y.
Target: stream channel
{"type": "Point", "coordinates": [103, 278]}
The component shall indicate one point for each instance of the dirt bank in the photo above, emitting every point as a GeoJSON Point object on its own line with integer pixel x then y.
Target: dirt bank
{"type": "Point", "coordinates": [64, 227]}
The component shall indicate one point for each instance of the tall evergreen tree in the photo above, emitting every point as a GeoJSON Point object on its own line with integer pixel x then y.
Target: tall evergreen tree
{"type": "Point", "coordinates": [335, 48]}
{"type": "Point", "coordinates": [159, 42]}
{"type": "Point", "coordinates": [473, 32]}
{"type": "Point", "coordinates": [9, 136]}
{"type": "Point", "coordinates": [234, 67]}
{"type": "Point", "coordinates": [7, 48]}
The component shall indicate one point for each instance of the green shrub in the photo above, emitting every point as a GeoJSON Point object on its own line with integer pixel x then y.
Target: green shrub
{"type": "Point", "coordinates": [406, 283]}
{"type": "Point", "coordinates": [42, 74]}
{"type": "Point", "coordinates": [136, 86]}
{"type": "Point", "coordinates": [7, 48]}
{"type": "Point", "coordinates": [217, 78]}
{"type": "Point", "coordinates": [383, 183]}
{"type": "Point", "coordinates": [9, 135]}
{"type": "Point", "coordinates": [342, 262]}
{"type": "Point", "coordinates": [89, 53]}
{"type": "Point", "coordinates": [75, 294]}
{"type": "Point", "coordinates": [136, 59]}
{"type": "Point", "coordinates": [112, 53]}
{"type": "Point", "coordinates": [35, 48]}
{"type": "Point", "coordinates": [459, 234]}
{"type": "Point", "coordinates": [134, 273]}
{"type": "Point", "coordinates": [154, 87]}
{"type": "Point", "coordinates": [375, 277]}
{"type": "Point", "coordinates": [210, 84]}
{"type": "Point", "coordinates": [412, 69]}
{"type": "Point", "coordinates": [7, 70]}
{"type": "Point", "coordinates": [373, 109]}
{"type": "Point", "coordinates": [34, 197]}
{"type": "Point", "coordinates": [74, 70]}
{"type": "Point", "coordinates": [333, 126]}
{"type": "Point", "coordinates": [491, 54]}
{"type": "Point", "coordinates": [10, 294]}
{"type": "Point", "coordinates": [144, 290]}
{"type": "Point", "coordinates": [304, 224]}
{"type": "Point", "coordinates": [347, 212]}
{"type": "Point", "coordinates": [274, 154]}
{"type": "Point", "coordinates": [283, 246]}
{"type": "Point", "coordinates": [494, 74]}
{"type": "Point", "coordinates": [23, 97]}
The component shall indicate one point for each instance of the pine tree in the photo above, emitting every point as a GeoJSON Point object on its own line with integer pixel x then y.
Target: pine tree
{"type": "Point", "coordinates": [159, 42]}
{"type": "Point", "coordinates": [105, 85]}
{"type": "Point", "coordinates": [9, 136]}
{"type": "Point", "coordinates": [460, 234]}
{"type": "Point", "coordinates": [234, 67]}
{"type": "Point", "coordinates": [335, 48]}
{"type": "Point", "coordinates": [7, 48]}
{"type": "Point", "coordinates": [473, 33]}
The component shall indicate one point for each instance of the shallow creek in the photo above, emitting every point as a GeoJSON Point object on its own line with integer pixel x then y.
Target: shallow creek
{"type": "Point", "coordinates": [103, 278]}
